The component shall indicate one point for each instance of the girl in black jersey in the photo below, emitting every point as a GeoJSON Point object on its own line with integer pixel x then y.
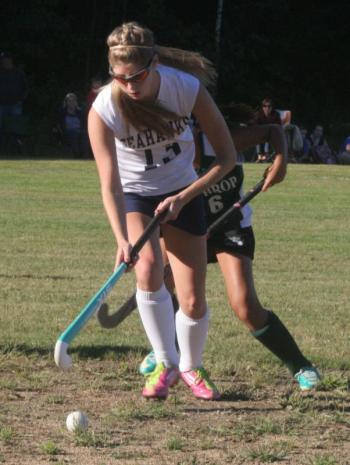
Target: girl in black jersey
{"type": "Point", "coordinates": [233, 249]}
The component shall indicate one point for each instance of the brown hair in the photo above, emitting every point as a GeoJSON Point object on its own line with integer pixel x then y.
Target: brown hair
{"type": "Point", "coordinates": [237, 113]}
{"type": "Point", "coordinates": [134, 43]}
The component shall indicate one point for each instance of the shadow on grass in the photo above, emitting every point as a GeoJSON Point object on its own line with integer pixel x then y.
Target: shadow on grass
{"type": "Point", "coordinates": [101, 352]}
{"type": "Point", "coordinates": [32, 276]}
{"type": "Point", "coordinates": [223, 408]}
{"type": "Point", "coordinates": [239, 395]}
{"type": "Point", "coordinates": [98, 352]}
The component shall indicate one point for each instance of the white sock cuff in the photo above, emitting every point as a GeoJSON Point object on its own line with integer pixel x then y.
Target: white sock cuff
{"type": "Point", "coordinates": [181, 316]}
{"type": "Point", "coordinates": [150, 296]}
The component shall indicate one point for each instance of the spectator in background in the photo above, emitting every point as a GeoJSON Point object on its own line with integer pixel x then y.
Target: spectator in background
{"type": "Point", "coordinates": [72, 122]}
{"type": "Point", "coordinates": [344, 152]}
{"type": "Point", "coordinates": [13, 89]}
{"type": "Point", "coordinates": [293, 136]}
{"type": "Point", "coordinates": [266, 115]}
{"type": "Point", "coordinates": [304, 155]}
{"type": "Point", "coordinates": [286, 117]}
{"type": "Point", "coordinates": [320, 151]}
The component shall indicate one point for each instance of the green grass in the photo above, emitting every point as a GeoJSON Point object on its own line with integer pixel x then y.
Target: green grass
{"type": "Point", "coordinates": [50, 448]}
{"type": "Point", "coordinates": [175, 443]}
{"type": "Point", "coordinates": [56, 251]}
{"type": "Point", "coordinates": [324, 460]}
{"type": "Point", "coordinates": [269, 454]}
{"type": "Point", "coordinates": [6, 434]}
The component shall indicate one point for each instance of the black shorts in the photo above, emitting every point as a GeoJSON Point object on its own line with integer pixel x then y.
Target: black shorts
{"type": "Point", "coordinates": [239, 241]}
{"type": "Point", "coordinates": [191, 218]}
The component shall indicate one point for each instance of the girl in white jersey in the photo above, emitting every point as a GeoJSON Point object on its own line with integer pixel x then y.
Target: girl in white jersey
{"type": "Point", "coordinates": [144, 149]}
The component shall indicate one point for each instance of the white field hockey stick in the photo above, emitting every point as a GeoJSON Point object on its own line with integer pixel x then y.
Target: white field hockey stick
{"type": "Point", "coordinates": [112, 320]}
{"type": "Point", "coordinates": [62, 359]}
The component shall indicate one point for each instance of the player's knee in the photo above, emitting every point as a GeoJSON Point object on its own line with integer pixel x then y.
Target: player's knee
{"type": "Point", "coordinates": [249, 312]}
{"type": "Point", "coordinates": [242, 312]}
{"type": "Point", "coordinates": [149, 274]}
{"type": "Point", "coordinates": [242, 307]}
{"type": "Point", "coordinates": [194, 307]}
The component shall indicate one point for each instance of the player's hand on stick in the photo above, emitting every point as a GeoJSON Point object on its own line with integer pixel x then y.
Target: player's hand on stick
{"type": "Point", "coordinates": [275, 173]}
{"type": "Point", "coordinates": [124, 255]}
{"type": "Point", "coordinates": [173, 204]}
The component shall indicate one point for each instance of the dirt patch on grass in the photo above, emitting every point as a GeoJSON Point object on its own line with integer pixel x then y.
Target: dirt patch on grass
{"type": "Point", "coordinates": [267, 423]}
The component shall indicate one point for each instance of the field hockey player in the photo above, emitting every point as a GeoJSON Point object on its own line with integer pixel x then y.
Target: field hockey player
{"type": "Point", "coordinates": [139, 128]}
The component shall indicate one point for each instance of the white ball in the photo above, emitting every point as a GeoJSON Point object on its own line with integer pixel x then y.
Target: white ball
{"type": "Point", "coordinates": [77, 421]}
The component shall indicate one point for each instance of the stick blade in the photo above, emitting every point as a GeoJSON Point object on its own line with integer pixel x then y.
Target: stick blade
{"type": "Point", "coordinates": [62, 359]}
{"type": "Point", "coordinates": [109, 321]}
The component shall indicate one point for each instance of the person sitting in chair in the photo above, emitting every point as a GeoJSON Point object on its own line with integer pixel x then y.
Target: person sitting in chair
{"type": "Point", "coordinates": [344, 152]}
{"type": "Point", "coordinates": [266, 115]}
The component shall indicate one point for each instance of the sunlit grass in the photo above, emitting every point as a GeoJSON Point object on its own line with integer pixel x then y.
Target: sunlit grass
{"type": "Point", "coordinates": [56, 251]}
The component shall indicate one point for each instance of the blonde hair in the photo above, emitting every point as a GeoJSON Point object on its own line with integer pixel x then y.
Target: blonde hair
{"type": "Point", "coordinates": [70, 96]}
{"type": "Point", "coordinates": [133, 43]}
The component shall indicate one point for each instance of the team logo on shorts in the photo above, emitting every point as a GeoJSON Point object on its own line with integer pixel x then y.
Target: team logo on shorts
{"type": "Point", "coordinates": [233, 237]}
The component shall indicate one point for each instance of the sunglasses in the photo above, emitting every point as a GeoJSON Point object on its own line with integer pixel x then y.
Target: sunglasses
{"type": "Point", "coordinates": [137, 77]}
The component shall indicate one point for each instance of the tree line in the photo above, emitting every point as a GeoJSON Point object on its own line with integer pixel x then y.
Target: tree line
{"type": "Point", "coordinates": [295, 52]}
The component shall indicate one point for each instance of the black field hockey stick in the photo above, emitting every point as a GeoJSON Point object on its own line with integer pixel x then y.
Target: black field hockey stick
{"type": "Point", "coordinates": [220, 222]}
{"type": "Point", "coordinates": [111, 320]}
{"type": "Point", "coordinates": [62, 359]}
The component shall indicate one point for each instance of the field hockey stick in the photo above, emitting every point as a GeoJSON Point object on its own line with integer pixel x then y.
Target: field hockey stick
{"type": "Point", "coordinates": [112, 320]}
{"type": "Point", "coordinates": [217, 224]}
{"type": "Point", "coordinates": [62, 359]}
{"type": "Point", "coordinates": [109, 321]}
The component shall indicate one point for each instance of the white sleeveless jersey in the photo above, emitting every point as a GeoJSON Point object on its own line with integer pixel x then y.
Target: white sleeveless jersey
{"type": "Point", "coordinates": [246, 210]}
{"type": "Point", "coordinates": [149, 163]}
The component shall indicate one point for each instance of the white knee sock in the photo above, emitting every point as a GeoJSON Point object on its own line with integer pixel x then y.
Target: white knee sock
{"type": "Point", "coordinates": [157, 315]}
{"type": "Point", "coordinates": [191, 337]}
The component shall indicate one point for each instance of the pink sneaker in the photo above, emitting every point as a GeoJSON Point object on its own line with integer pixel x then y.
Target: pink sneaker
{"type": "Point", "coordinates": [200, 383]}
{"type": "Point", "coordinates": [158, 382]}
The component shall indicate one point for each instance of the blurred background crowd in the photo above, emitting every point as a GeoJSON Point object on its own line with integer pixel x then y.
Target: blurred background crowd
{"type": "Point", "coordinates": [48, 81]}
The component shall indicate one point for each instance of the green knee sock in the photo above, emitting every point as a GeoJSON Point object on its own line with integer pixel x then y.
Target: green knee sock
{"type": "Point", "coordinates": [276, 337]}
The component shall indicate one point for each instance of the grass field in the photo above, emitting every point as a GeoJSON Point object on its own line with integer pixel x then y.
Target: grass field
{"type": "Point", "coordinates": [57, 250]}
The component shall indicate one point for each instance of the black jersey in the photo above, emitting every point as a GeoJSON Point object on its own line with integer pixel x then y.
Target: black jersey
{"type": "Point", "coordinates": [221, 196]}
